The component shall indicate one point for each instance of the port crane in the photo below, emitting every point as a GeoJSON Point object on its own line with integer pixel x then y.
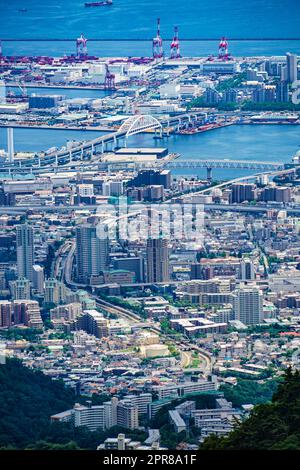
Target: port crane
{"type": "Point", "coordinates": [175, 45]}
{"type": "Point", "coordinates": [157, 43]}
{"type": "Point", "coordinates": [81, 46]}
{"type": "Point", "coordinates": [109, 83]}
{"type": "Point", "coordinates": [223, 49]}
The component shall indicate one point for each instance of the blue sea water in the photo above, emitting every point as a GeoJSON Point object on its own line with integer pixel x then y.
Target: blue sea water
{"type": "Point", "coordinates": [132, 19]}
{"type": "Point", "coordinates": [253, 20]}
{"type": "Point", "coordinates": [136, 18]}
{"type": "Point", "coordinates": [275, 143]}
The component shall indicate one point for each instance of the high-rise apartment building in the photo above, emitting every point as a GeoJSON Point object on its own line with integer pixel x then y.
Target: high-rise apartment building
{"type": "Point", "coordinates": [89, 416]}
{"type": "Point", "coordinates": [38, 278]}
{"type": "Point", "coordinates": [291, 67]}
{"type": "Point", "coordinates": [127, 415]}
{"type": "Point", "coordinates": [248, 305]}
{"type": "Point", "coordinates": [247, 272]}
{"type": "Point", "coordinates": [5, 313]}
{"type": "Point", "coordinates": [91, 252]}
{"type": "Point", "coordinates": [241, 192]}
{"type": "Point", "coordinates": [21, 289]}
{"type": "Point", "coordinates": [157, 260]}
{"type": "Point", "coordinates": [54, 291]}
{"type": "Point", "coordinates": [94, 323]}
{"type": "Point", "coordinates": [25, 251]}
{"type": "Point", "coordinates": [282, 92]}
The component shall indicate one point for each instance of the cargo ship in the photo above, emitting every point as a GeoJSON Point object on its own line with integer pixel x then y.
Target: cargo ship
{"type": "Point", "coordinates": [98, 4]}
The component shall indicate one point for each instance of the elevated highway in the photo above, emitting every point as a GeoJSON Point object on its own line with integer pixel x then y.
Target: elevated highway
{"type": "Point", "coordinates": [87, 149]}
{"type": "Point", "coordinates": [208, 207]}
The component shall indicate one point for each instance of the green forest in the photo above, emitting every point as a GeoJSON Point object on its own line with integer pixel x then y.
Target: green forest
{"type": "Point", "coordinates": [28, 398]}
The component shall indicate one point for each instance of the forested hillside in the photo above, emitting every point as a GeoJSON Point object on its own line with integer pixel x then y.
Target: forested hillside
{"type": "Point", "coordinates": [271, 426]}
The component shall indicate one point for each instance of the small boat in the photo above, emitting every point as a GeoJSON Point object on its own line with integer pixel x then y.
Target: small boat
{"type": "Point", "coordinates": [98, 4]}
{"type": "Point", "coordinates": [22, 10]}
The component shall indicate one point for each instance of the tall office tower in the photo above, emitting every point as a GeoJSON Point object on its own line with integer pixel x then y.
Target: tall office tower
{"type": "Point", "coordinates": [291, 66]}
{"type": "Point", "coordinates": [248, 305]}
{"type": "Point", "coordinates": [25, 251]}
{"type": "Point", "coordinates": [157, 260]}
{"type": "Point", "coordinates": [38, 278]}
{"type": "Point", "coordinates": [127, 415]}
{"type": "Point", "coordinates": [247, 272]}
{"type": "Point", "coordinates": [91, 252]}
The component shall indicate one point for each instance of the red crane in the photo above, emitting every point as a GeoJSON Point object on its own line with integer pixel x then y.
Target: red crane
{"type": "Point", "coordinates": [223, 49]}
{"type": "Point", "coordinates": [157, 43]}
{"type": "Point", "coordinates": [175, 45]}
{"type": "Point", "coordinates": [81, 46]}
{"type": "Point", "coordinates": [109, 83]}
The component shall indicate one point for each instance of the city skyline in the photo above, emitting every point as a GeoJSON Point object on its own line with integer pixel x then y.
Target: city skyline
{"type": "Point", "coordinates": [149, 241]}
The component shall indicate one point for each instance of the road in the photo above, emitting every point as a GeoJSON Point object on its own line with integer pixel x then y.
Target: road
{"type": "Point", "coordinates": [207, 207]}
{"type": "Point", "coordinates": [185, 346]}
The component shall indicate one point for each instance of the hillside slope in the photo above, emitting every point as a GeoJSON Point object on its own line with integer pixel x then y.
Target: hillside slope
{"type": "Point", "coordinates": [272, 426]}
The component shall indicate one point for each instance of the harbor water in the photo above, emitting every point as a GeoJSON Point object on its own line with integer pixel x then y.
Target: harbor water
{"type": "Point", "coordinates": [270, 143]}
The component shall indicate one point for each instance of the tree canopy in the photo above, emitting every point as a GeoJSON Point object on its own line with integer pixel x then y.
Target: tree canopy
{"type": "Point", "coordinates": [270, 426]}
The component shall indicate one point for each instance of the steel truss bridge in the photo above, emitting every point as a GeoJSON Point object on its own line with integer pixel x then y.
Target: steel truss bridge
{"type": "Point", "coordinates": [130, 165]}
{"type": "Point", "coordinates": [230, 164]}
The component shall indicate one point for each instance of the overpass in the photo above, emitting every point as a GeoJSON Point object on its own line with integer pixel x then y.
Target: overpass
{"type": "Point", "coordinates": [207, 207]}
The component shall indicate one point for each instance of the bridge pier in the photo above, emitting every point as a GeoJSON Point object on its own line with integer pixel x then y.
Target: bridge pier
{"type": "Point", "coordinates": [10, 144]}
{"type": "Point", "coordinates": [56, 159]}
{"type": "Point", "coordinates": [70, 155]}
{"type": "Point", "coordinates": [209, 174]}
